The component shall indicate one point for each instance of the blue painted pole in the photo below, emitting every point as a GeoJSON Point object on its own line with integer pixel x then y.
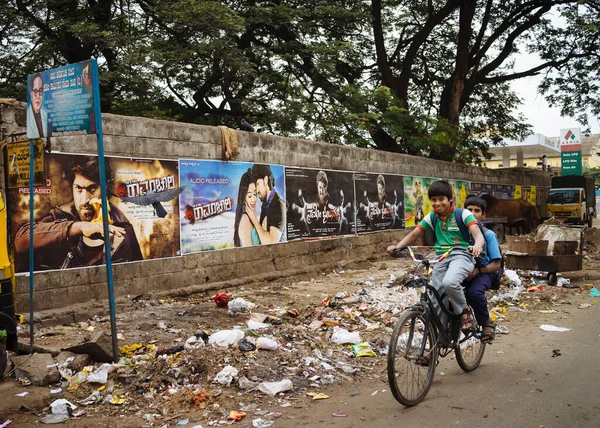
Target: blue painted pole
{"type": "Point", "coordinates": [104, 194]}
{"type": "Point", "coordinates": [31, 283]}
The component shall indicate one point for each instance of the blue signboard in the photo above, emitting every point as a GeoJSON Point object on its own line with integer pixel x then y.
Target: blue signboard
{"type": "Point", "coordinates": [60, 101]}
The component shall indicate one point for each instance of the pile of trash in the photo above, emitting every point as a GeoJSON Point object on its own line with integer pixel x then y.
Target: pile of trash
{"type": "Point", "coordinates": [268, 352]}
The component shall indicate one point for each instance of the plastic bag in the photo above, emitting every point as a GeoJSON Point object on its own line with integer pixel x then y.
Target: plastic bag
{"type": "Point", "coordinates": [255, 325]}
{"type": "Point", "coordinates": [239, 305]}
{"type": "Point", "coordinates": [194, 342]}
{"type": "Point", "coordinates": [225, 376]}
{"type": "Point", "coordinates": [226, 337]}
{"type": "Point", "coordinates": [341, 336]}
{"type": "Point", "coordinates": [62, 407]}
{"type": "Point", "coordinates": [272, 388]}
{"type": "Point", "coordinates": [266, 344]}
{"type": "Point", "coordinates": [100, 375]}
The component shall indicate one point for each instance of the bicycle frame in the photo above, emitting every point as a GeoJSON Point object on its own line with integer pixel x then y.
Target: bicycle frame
{"type": "Point", "coordinates": [446, 337]}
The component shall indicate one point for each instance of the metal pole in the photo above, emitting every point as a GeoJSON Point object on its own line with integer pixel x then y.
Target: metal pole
{"type": "Point", "coordinates": [104, 194]}
{"type": "Point", "coordinates": [31, 202]}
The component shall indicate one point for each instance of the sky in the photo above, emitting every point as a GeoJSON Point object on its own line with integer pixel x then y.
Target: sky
{"type": "Point", "coordinates": [544, 119]}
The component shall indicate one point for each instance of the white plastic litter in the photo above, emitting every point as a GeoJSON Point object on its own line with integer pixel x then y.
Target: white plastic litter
{"type": "Point", "coordinates": [561, 281]}
{"type": "Point", "coordinates": [226, 337]}
{"type": "Point", "coordinates": [225, 376]}
{"type": "Point", "coordinates": [272, 388]}
{"type": "Point", "coordinates": [239, 305]}
{"type": "Point", "coordinates": [266, 344]}
{"type": "Point", "coordinates": [508, 295]}
{"type": "Point", "coordinates": [547, 327]}
{"type": "Point", "coordinates": [341, 336]}
{"type": "Point", "coordinates": [100, 375]}
{"type": "Point", "coordinates": [513, 277]}
{"type": "Point", "coordinates": [62, 406]}
{"type": "Point", "coordinates": [391, 298]}
{"type": "Point", "coordinates": [194, 342]}
{"type": "Point", "coordinates": [261, 423]}
{"type": "Point", "coordinates": [255, 325]}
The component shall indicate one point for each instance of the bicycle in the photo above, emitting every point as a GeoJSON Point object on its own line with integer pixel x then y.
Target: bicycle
{"type": "Point", "coordinates": [420, 338]}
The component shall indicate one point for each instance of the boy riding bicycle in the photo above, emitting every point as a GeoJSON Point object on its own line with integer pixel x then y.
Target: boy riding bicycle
{"type": "Point", "coordinates": [480, 279]}
{"type": "Point", "coordinates": [449, 274]}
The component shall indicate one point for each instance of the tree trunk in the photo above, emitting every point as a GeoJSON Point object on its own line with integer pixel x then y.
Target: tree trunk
{"type": "Point", "coordinates": [450, 101]}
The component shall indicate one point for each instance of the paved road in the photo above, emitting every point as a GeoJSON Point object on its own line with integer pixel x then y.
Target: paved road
{"type": "Point", "coordinates": [519, 383]}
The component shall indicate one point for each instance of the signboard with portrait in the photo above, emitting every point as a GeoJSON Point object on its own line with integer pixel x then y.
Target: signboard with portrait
{"type": "Point", "coordinates": [320, 203]}
{"type": "Point", "coordinates": [60, 101]}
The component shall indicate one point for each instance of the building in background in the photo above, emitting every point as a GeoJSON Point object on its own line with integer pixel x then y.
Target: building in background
{"type": "Point", "coordinates": [527, 153]}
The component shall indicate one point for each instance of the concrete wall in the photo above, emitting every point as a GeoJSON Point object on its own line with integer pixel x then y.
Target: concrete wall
{"type": "Point", "coordinates": [145, 138]}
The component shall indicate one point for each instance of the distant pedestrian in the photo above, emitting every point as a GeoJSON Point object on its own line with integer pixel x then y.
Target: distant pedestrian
{"type": "Point", "coordinates": [544, 163]}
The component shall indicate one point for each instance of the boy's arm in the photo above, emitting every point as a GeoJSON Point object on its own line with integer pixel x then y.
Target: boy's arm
{"type": "Point", "coordinates": [479, 240]}
{"type": "Point", "coordinates": [407, 240]}
{"type": "Point", "coordinates": [493, 252]}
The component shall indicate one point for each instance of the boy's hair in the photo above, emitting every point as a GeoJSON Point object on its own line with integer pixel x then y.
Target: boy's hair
{"type": "Point", "coordinates": [440, 188]}
{"type": "Point", "coordinates": [478, 202]}
{"type": "Point", "coordinates": [381, 180]}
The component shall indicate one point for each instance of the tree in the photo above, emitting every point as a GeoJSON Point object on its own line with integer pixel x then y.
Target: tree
{"type": "Point", "coordinates": [426, 78]}
{"type": "Point", "coordinates": [480, 37]}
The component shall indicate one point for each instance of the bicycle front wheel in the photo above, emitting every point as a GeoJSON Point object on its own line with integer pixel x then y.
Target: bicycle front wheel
{"type": "Point", "coordinates": [412, 358]}
{"type": "Point", "coordinates": [469, 352]}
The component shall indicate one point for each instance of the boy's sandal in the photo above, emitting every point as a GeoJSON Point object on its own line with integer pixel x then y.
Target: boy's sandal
{"type": "Point", "coordinates": [489, 332]}
{"type": "Point", "coordinates": [466, 322]}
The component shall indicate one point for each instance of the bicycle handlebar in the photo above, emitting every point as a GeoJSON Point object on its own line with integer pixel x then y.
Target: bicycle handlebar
{"type": "Point", "coordinates": [397, 253]}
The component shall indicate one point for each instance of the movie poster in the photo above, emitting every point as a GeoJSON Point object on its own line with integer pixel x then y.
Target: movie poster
{"type": "Point", "coordinates": [320, 203]}
{"type": "Point", "coordinates": [380, 202]}
{"type": "Point", "coordinates": [231, 204]}
{"type": "Point", "coordinates": [416, 201]}
{"type": "Point", "coordinates": [143, 213]}
{"type": "Point", "coordinates": [500, 191]}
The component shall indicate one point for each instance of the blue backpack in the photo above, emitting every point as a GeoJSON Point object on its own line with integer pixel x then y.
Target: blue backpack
{"type": "Point", "coordinates": [464, 231]}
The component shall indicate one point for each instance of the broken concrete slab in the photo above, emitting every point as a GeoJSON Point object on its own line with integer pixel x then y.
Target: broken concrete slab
{"type": "Point", "coordinates": [79, 360]}
{"type": "Point", "coordinates": [40, 369]}
{"type": "Point", "coordinates": [99, 347]}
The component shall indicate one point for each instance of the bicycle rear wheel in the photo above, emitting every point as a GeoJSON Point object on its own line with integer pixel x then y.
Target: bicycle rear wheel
{"type": "Point", "coordinates": [469, 352]}
{"type": "Point", "coordinates": [412, 358]}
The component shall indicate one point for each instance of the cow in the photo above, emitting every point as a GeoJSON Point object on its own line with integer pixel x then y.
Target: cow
{"type": "Point", "coordinates": [518, 212]}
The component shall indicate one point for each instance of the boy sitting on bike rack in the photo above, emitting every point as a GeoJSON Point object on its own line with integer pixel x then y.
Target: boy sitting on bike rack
{"type": "Point", "coordinates": [449, 274]}
{"type": "Point", "coordinates": [480, 279]}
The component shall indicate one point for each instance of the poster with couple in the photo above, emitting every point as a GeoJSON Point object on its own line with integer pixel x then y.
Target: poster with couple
{"type": "Point", "coordinates": [416, 201]}
{"type": "Point", "coordinates": [320, 203]}
{"type": "Point", "coordinates": [230, 204]}
{"type": "Point", "coordinates": [380, 202]}
{"type": "Point", "coordinates": [68, 228]}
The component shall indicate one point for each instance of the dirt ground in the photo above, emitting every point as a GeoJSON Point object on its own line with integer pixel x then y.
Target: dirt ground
{"type": "Point", "coordinates": [157, 383]}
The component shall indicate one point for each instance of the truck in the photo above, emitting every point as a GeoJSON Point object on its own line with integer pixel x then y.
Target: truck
{"type": "Point", "coordinates": [572, 199]}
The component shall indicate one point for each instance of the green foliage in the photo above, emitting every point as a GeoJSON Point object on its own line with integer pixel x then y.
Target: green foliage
{"type": "Point", "coordinates": [430, 80]}
{"type": "Point", "coordinates": [593, 172]}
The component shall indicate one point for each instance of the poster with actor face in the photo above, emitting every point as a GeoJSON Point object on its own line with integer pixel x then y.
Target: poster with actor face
{"type": "Point", "coordinates": [68, 227]}
{"type": "Point", "coordinates": [417, 204]}
{"type": "Point", "coordinates": [416, 201]}
{"type": "Point", "coordinates": [320, 203]}
{"type": "Point", "coordinates": [231, 204]}
{"type": "Point", "coordinates": [380, 202]}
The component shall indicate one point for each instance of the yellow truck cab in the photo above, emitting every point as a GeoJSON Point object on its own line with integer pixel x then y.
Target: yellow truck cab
{"type": "Point", "coordinates": [572, 199]}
